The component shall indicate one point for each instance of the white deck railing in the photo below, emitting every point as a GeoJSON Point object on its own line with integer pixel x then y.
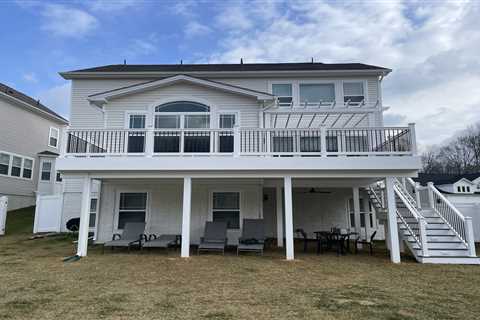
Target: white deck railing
{"type": "Point", "coordinates": [322, 142]}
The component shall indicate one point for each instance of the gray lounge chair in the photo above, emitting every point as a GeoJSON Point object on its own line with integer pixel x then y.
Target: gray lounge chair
{"type": "Point", "coordinates": [164, 241]}
{"type": "Point", "coordinates": [253, 236]}
{"type": "Point", "coordinates": [133, 235]}
{"type": "Point", "coordinates": [215, 237]}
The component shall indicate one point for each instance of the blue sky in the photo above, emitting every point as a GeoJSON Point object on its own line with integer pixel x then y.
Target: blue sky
{"type": "Point", "coordinates": [431, 46]}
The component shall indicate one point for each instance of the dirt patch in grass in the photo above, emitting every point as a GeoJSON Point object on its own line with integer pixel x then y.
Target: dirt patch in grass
{"type": "Point", "coordinates": [36, 284]}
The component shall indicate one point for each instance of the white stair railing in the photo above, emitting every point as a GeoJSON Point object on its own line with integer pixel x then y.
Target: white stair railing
{"type": "Point", "coordinates": [420, 237]}
{"type": "Point", "coordinates": [461, 225]}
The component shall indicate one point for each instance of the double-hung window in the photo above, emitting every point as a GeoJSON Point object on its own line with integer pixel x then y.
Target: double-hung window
{"type": "Point", "coordinates": [317, 93]}
{"type": "Point", "coordinates": [27, 168]}
{"type": "Point", "coordinates": [353, 93]}
{"type": "Point", "coordinates": [93, 212]}
{"type": "Point", "coordinates": [226, 207]}
{"type": "Point", "coordinates": [136, 139]}
{"type": "Point", "coordinates": [132, 208]}
{"type": "Point", "coordinates": [53, 137]}
{"type": "Point", "coordinates": [4, 163]}
{"type": "Point", "coordinates": [46, 171]}
{"type": "Point", "coordinates": [16, 166]}
{"type": "Point", "coordinates": [284, 93]}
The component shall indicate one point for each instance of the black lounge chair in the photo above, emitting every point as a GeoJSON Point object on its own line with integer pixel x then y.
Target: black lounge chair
{"type": "Point", "coordinates": [253, 236]}
{"type": "Point", "coordinates": [133, 235]}
{"type": "Point", "coordinates": [215, 237]}
{"type": "Point", "coordinates": [366, 242]}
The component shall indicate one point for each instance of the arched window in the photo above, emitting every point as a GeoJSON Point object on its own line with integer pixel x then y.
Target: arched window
{"type": "Point", "coordinates": [182, 114]}
{"type": "Point", "coordinates": [182, 106]}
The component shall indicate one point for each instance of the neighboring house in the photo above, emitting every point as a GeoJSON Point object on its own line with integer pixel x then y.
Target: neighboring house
{"type": "Point", "coordinates": [299, 145]}
{"type": "Point", "coordinates": [30, 142]}
{"type": "Point", "coordinates": [462, 190]}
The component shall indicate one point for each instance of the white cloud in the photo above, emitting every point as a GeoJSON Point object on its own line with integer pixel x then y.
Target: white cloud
{"type": "Point", "coordinates": [65, 21]}
{"type": "Point", "coordinates": [57, 98]}
{"type": "Point", "coordinates": [195, 29]}
{"type": "Point", "coordinates": [432, 49]}
{"type": "Point", "coordinates": [30, 77]}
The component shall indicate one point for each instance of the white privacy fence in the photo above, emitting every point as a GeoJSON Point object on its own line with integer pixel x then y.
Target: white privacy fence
{"type": "Point", "coordinates": [3, 214]}
{"type": "Point", "coordinates": [48, 213]}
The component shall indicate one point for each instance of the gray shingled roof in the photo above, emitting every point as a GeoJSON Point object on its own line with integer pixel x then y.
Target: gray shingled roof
{"type": "Point", "coordinates": [302, 66]}
{"type": "Point", "coordinates": [29, 100]}
{"type": "Point", "coordinates": [439, 179]}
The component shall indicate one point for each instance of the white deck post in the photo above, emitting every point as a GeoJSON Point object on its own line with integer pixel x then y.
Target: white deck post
{"type": "Point", "coordinates": [84, 218]}
{"type": "Point", "coordinates": [323, 141]}
{"type": "Point", "coordinates": [431, 201]}
{"type": "Point", "coordinates": [236, 141]}
{"type": "Point", "coordinates": [149, 141]}
{"type": "Point", "coordinates": [413, 138]}
{"type": "Point", "coordinates": [356, 210]}
{"type": "Point", "coordinates": [279, 207]}
{"type": "Point", "coordinates": [392, 221]}
{"type": "Point", "coordinates": [469, 237]}
{"type": "Point", "coordinates": [288, 217]}
{"type": "Point", "coordinates": [187, 204]}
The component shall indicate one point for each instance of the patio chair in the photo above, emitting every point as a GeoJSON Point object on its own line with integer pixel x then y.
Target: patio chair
{"type": "Point", "coordinates": [303, 235]}
{"type": "Point", "coordinates": [253, 236]}
{"type": "Point", "coordinates": [133, 235]}
{"type": "Point", "coordinates": [215, 237]}
{"type": "Point", "coordinates": [163, 241]}
{"type": "Point", "coordinates": [365, 242]}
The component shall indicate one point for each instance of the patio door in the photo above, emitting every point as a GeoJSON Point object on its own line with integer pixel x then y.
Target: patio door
{"type": "Point", "coordinates": [366, 217]}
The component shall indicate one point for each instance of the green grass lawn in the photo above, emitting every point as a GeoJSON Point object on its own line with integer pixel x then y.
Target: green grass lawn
{"type": "Point", "coordinates": [36, 284]}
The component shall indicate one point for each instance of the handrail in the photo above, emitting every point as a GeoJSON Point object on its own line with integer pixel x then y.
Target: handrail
{"type": "Point", "coordinates": [409, 198]}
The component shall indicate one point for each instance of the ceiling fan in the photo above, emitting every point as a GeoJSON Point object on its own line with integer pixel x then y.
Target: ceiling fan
{"type": "Point", "coordinates": [315, 191]}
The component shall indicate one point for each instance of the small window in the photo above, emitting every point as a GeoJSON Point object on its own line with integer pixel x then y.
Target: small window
{"type": "Point", "coordinates": [463, 188]}
{"type": "Point", "coordinates": [227, 121]}
{"type": "Point", "coordinates": [93, 212]}
{"type": "Point", "coordinates": [182, 106]}
{"type": "Point", "coordinates": [27, 168]}
{"type": "Point", "coordinates": [226, 207]}
{"type": "Point", "coordinates": [459, 189]}
{"type": "Point", "coordinates": [353, 92]}
{"type": "Point", "coordinates": [132, 208]}
{"type": "Point", "coordinates": [468, 189]}
{"type": "Point", "coordinates": [53, 137]}
{"type": "Point", "coordinates": [317, 93]}
{"type": "Point", "coordinates": [46, 171]}
{"type": "Point", "coordinates": [58, 178]}
{"type": "Point", "coordinates": [283, 92]}
{"type": "Point", "coordinates": [4, 163]}
{"type": "Point", "coordinates": [137, 121]}
{"type": "Point", "coordinates": [16, 166]}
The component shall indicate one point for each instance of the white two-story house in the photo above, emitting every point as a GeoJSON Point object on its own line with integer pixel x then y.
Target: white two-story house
{"type": "Point", "coordinates": [299, 145]}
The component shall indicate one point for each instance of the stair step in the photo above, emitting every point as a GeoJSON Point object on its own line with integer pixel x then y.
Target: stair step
{"type": "Point", "coordinates": [445, 253]}
{"type": "Point", "coordinates": [414, 226]}
{"type": "Point", "coordinates": [450, 260]}
{"type": "Point", "coordinates": [435, 232]}
{"type": "Point", "coordinates": [441, 245]}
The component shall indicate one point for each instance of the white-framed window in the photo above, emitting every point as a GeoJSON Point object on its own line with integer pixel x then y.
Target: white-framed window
{"type": "Point", "coordinates": [53, 137]}
{"type": "Point", "coordinates": [227, 120]}
{"type": "Point", "coordinates": [353, 92]}
{"type": "Point", "coordinates": [93, 212]}
{"type": "Point", "coordinates": [314, 93]}
{"type": "Point", "coordinates": [284, 92]}
{"type": "Point", "coordinates": [132, 208]}
{"type": "Point", "coordinates": [364, 216]}
{"type": "Point", "coordinates": [468, 189]}
{"type": "Point", "coordinates": [58, 177]}
{"type": "Point", "coordinates": [46, 170]}
{"type": "Point", "coordinates": [4, 163]}
{"type": "Point", "coordinates": [27, 168]}
{"type": "Point", "coordinates": [136, 139]}
{"type": "Point", "coordinates": [16, 166]}
{"type": "Point", "coordinates": [226, 207]}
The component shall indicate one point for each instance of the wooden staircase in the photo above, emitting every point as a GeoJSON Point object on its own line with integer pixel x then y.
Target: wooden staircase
{"type": "Point", "coordinates": [432, 237]}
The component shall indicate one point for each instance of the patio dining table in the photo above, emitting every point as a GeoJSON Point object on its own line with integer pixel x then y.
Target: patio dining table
{"type": "Point", "coordinates": [337, 238]}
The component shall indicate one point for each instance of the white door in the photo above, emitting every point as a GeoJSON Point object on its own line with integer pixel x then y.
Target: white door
{"type": "Point", "coordinates": [3, 214]}
{"type": "Point", "coordinates": [48, 213]}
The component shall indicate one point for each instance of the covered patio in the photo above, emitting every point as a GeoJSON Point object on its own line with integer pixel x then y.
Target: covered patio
{"type": "Point", "coordinates": [183, 204]}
